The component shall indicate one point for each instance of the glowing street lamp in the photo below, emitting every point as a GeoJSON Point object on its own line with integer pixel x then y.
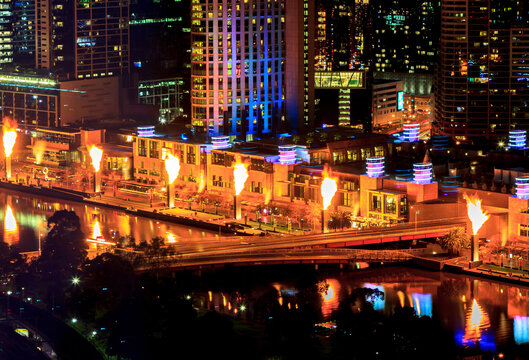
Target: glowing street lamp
{"type": "Point", "coordinates": [477, 217]}
{"type": "Point", "coordinates": [172, 166]}
{"type": "Point", "coordinates": [328, 190]}
{"type": "Point", "coordinates": [240, 175]}
{"type": "Point", "coordinates": [9, 138]}
{"type": "Point", "coordinates": [96, 154]}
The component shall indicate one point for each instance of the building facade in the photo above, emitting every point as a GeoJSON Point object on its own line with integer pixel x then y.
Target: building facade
{"type": "Point", "coordinates": [237, 66]}
{"type": "Point", "coordinates": [6, 31]}
{"type": "Point", "coordinates": [405, 35]}
{"type": "Point", "coordinates": [481, 81]}
{"type": "Point", "coordinates": [168, 95]}
{"type": "Point", "coordinates": [86, 39]}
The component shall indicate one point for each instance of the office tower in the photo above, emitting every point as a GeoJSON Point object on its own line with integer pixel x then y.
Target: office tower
{"type": "Point", "coordinates": [405, 35]}
{"type": "Point", "coordinates": [481, 81]}
{"type": "Point", "coordinates": [24, 33]}
{"type": "Point", "coordinates": [85, 39]}
{"type": "Point", "coordinates": [160, 36]}
{"type": "Point", "coordinates": [6, 31]}
{"type": "Point", "coordinates": [299, 63]}
{"type": "Point", "coordinates": [342, 48]}
{"type": "Point", "coordinates": [237, 66]}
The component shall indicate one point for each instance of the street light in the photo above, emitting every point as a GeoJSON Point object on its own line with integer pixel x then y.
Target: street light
{"type": "Point", "coordinates": [75, 281]}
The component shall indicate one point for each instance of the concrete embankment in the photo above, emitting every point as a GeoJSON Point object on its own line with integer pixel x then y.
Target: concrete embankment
{"type": "Point", "coordinates": [77, 196]}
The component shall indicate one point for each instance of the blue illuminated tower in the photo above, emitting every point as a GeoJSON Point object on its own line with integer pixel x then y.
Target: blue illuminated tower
{"type": "Point", "coordinates": [237, 66]}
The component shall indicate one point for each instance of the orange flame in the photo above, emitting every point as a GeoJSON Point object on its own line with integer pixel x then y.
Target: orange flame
{"type": "Point", "coordinates": [38, 151]}
{"type": "Point", "coordinates": [172, 166]}
{"type": "Point", "coordinates": [240, 175]}
{"type": "Point", "coordinates": [10, 224]}
{"type": "Point", "coordinates": [476, 215]}
{"type": "Point", "coordinates": [171, 239]}
{"type": "Point", "coordinates": [328, 189]}
{"type": "Point", "coordinates": [10, 135]}
{"type": "Point", "coordinates": [96, 154]}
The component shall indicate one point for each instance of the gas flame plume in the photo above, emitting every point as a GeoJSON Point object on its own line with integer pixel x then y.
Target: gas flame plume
{"type": "Point", "coordinates": [240, 175]}
{"type": "Point", "coordinates": [96, 154]}
{"type": "Point", "coordinates": [328, 189]}
{"type": "Point", "coordinates": [38, 151]}
{"type": "Point", "coordinates": [172, 166]}
{"type": "Point", "coordinates": [10, 136]}
{"type": "Point", "coordinates": [475, 213]}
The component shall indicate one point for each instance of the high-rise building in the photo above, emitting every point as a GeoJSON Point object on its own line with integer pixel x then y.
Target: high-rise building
{"type": "Point", "coordinates": [482, 78]}
{"type": "Point", "coordinates": [24, 32]}
{"type": "Point", "coordinates": [237, 66]}
{"type": "Point", "coordinates": [342, 49]}
{"type": "Point", "coordinates": [6, 31]}
{"type": "Point", "coordinates": [405, 35]}
{"type": "Point", "coordinates": [299, 63]}
{"type": "Point", "coordinates": [82, 39]}
{"type": "Point", "coordinates": [160, 37]}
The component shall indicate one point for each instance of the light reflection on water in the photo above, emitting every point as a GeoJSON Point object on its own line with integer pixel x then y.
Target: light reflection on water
{"type": "Point", "coordinates": [480, 313]}
{"type": "Point", "coordinates": [30, 214]}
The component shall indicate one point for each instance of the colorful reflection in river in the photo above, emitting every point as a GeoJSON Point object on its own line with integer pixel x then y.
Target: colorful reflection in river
{"type": "Point", "coordinates": [477, 325]}
{"type": "Point", "coordinates": [30, 214]}
{"type": "Point", "coordinates": [329, 294]}
{"type": "Point", "coordinates": [521, 329]}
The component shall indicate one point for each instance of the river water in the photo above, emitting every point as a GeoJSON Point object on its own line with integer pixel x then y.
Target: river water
{"type": "Point", "coordinates": [30, 215]}
{"type": "Point", "coordinates": [491, 315]}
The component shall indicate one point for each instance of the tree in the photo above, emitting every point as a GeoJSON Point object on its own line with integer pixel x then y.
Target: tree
{"type": "Point", "coordinates": [339, 220]}
{"type": "Point", "coordinates": [454, 240]}
{"type": "Point", "coordinates": [64, 248]}
{"type": "Point", "coordinates": [106, 281]}
{"type": "Point", "coordinates": [11, 261]}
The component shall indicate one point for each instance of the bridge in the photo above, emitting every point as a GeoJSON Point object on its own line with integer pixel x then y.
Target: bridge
{"type": "Point", "coordinates": [274, 257]}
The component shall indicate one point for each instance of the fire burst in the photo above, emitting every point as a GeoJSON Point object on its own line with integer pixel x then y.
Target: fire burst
{"type": "Point", "coordinates": [328, 189]}
{"type": "Point", "coordinates": [476, 215]}
{"type": "Point", "coordinates": [10, 136]}
{"type": "Point", "coordinates": [172, 166]}
{"type": "Point", "coordinates": [240, 175]}
{"type": "Point", "coordinates": [96, 154]}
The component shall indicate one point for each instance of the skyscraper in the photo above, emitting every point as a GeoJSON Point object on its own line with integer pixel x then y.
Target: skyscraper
{"type": "Point", "coordinates": [299, 62]}
{"type": "Point", "coordinates": [84, 39]}
{"type": "Point", "coordinates": [237, 66]}
{"type": "Point", "coordinates": [405, 35]}
{"type": "Point", "coordinates": [24, 32]}
{"type": "Point", "coordinates": [482, 77]}
{"type": "Point", "coordinates": [6, 31]}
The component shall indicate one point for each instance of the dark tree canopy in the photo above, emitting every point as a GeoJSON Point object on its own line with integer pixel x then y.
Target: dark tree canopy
{"type": "Point", "coordinates": [65, 246]}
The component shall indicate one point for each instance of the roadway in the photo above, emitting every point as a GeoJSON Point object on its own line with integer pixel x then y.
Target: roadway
{"type": "Point", "coordinates": [277, 257]}
{"type": "Point", "coordinates": [240, 248]}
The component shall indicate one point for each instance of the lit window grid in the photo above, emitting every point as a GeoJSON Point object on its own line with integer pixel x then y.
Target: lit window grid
{"type": "Point", "coordinates": [166, 94]}
{"type": "Point", "coordinates": [110, 55]}
{"type": "Point", "coordinates": [212, 59]}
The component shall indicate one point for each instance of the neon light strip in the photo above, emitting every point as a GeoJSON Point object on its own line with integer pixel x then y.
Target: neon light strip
{"type": "Point", "coordinates": [375, 166]}
{"type": "Point", "coordinates": [95, 241]}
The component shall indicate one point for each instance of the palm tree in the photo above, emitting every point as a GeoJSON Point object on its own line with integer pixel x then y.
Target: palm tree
{"type": "Point", "coordinates": [345, 220]}
{"type": "Point", "coordinates": [454, 240]}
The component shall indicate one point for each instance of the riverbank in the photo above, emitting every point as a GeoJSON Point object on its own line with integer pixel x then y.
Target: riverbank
{"type": "Point", "coordinates": [226, 228]}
